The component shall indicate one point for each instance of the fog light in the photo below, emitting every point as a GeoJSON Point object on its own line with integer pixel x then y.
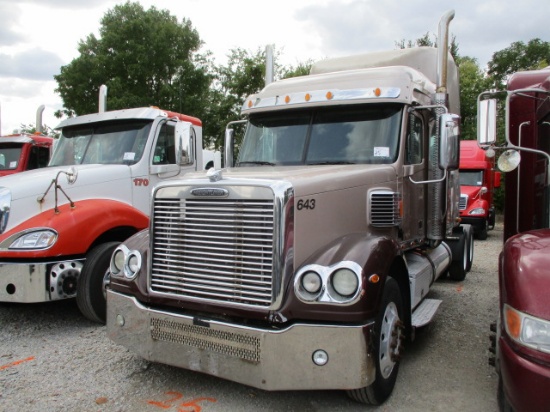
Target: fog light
{"type": "Point", "coordinates": [120, 320]}
{"type": "Point", "coordinates": [320, 357]}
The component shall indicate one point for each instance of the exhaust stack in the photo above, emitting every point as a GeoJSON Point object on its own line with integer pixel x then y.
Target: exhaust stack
{"type": "Point", "coordinates": [269, 65]}
{"type": "Point", "coordinates": [102, 98]}
{"type": "Point", "coordinates": [443, 50]}
{"type": "Point", "coordinates": [39, 112]}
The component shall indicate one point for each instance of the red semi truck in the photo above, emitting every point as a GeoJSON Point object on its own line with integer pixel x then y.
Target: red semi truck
{"type": "Point", "coordinates": [23, 151]}
{"type": "Point", "coordinates": [478, 180]}
{"type": "Point", "coordinates": [521, 340]}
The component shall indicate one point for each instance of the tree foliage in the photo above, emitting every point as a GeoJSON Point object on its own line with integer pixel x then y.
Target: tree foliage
{"type": "Point", "coordinates": [144, 57]}
{"type": "Point", "coordinates": [517, 57]}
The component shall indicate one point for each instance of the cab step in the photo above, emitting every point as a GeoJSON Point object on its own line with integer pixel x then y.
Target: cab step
{"type": "Point", "coordinates": [424, 313]}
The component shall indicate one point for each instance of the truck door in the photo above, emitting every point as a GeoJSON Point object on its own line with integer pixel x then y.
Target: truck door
{"type": "Point", "coordinates": [415, 170]}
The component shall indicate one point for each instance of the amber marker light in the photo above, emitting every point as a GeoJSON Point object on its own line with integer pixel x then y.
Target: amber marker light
{"type": "Point", "coordinates": [308, 97]}
{"type": "Point", "coordinates": [513, 322]}
{"type": "Point", "coordinates": [329, 95]}
{"type": "Point", "coordinates": [374, 278]}
{"type": "Point", "coordinates": [287, 99]}
{"type": "Point", "coordinates": [249, 103]}
{"type": "Point", "coordinates": [377, 92]}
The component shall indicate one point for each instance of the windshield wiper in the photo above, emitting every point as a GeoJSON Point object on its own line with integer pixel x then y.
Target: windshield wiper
{"type": "Point", "coordinates": [256, 163]}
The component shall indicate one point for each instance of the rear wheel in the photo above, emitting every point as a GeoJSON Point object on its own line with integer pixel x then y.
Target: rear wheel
{"type": "Point", "coordinates": [91, 294]}
{"type": "Point", "coordinates": [389, 337]}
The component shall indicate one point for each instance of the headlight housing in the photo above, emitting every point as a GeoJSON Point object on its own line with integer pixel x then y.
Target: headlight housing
{"type": "Point", "coordinates": [336, 284]}
{"type": "Point", "coordinates": [527, 330]}
{"type": "Point", "coordinates": [32, 239]}
{"type": "Point", "coordinates": [5, 207]}
{"type": "Point", "coordinates": [125, 262]}
{"type": "Point", "coordinates": [477, 211]}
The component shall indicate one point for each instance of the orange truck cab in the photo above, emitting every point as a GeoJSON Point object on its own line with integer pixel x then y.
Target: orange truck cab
{"type": "Point", "coordinates": [478, 179]}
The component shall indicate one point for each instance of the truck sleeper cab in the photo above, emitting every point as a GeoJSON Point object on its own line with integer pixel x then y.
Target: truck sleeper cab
{"type": "Point", "coordinates": [307, 263]}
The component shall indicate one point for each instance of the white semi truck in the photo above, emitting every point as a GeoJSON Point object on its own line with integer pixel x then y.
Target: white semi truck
{"type": "Point", "coordinates": [60, 224]}
{"type": "Point", "coordinates": [308, 260]}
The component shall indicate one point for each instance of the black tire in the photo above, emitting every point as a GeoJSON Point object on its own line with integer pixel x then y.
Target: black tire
{"type": "Point", "coordinates": [459, 263]}
{"type": "Point", "coordinates": [90, 290]}
{"type": "Point", "coordinates": [388, 331]}
{"type": "Point", "coordinates": [469, 235]}
{"type": "Point", "coordinates": [482, 234]}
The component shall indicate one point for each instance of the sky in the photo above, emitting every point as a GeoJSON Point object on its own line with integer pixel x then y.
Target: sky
{"type": "Point", "coordinates": [38, 37]}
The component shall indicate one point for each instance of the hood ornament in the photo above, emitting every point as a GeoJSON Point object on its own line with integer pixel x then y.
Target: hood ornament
{"type": "Point", "coordinates": [214, 175]}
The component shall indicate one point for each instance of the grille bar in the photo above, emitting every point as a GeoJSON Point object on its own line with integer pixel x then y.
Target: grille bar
{"type": "Point", "coordinates": [216, 249]}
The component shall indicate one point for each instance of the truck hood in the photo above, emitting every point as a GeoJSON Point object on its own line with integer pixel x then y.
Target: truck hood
{"type": "Point", "coordinates": [308, 180]}
{"type": "Point", "coordinates": [93, 182]}
{"type": "Point", "coordinates": [526, 279]}
{"type": "Point", "coordinates": [471, 191]}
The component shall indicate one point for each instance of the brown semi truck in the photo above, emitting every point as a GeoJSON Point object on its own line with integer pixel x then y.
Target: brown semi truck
{"type": "Point", "coordinates": [307, 261]}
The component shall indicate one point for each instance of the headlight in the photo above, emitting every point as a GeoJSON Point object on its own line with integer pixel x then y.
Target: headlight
{"type": "Point", "coordinates": [345, 282]}
{"type": "Point", "coordinates": [117, 262]}
{"type": "Point", "coordinates": [311, 282]}
{"type": "Point", "coordinates": [37, 239]}
{"type": "Point", "coordinates": [125, 262]}
{"type": "Point", "coordinates": [527, 330]}
{"type": "Point", "coordinates": [477, 211]}
{"type": "Point", "coordinates": [339, 284]}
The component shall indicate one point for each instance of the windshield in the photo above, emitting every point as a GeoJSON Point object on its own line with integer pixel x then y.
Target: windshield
{"type": "Point", "coordinates": [103, 143]}
{"type": "Point", "coordinates": [471, 177]}
{"type": "Point", "coordinates": [9, 156]}
{"type": "Point", "coordinates": [334, 135]}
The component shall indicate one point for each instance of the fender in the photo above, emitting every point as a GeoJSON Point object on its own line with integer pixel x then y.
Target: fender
{"type": "Point", "coordinates": [77, 227]}
{"type": "Point", "coordinates": [375, 254]}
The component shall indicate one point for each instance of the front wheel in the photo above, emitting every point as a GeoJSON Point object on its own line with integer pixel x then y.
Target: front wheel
{"type": "Point", "coordinates": [389, 337]}
{"type": "Point", "coordinates": [90, 290]}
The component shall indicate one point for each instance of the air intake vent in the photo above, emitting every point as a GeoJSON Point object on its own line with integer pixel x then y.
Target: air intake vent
{"type": "Point", "coordinates": [463, 202]}
{"type": "Point", "coordinates": [384, 209]}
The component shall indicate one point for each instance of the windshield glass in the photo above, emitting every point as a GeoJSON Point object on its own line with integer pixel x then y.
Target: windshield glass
{"type": "Point", "coordinates": [471, 177]}
{"type": "Point", "coordinates": [335, 135]}
{"type": "Point", "coordinates": [9, 156]}
{"type": "Point", "coordinates": [103, 143]}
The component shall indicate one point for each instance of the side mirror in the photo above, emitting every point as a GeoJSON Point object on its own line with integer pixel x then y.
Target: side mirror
{"type": "Point", "coordinates": [487, 122]}
{"type": "Point", "coordinates": [449, 141]}
{"type": "Point", "coordinates": [184, 144]}
{"type": "Point", "coordinates": [228, 147]}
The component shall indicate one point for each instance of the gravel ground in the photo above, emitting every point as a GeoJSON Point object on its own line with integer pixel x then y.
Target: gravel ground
{"type": "Point", "coordinates": [52, 359]}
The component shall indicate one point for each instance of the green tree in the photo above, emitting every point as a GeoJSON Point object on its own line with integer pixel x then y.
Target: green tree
{"type": "Point", "coordinates": [31, 129]}
{"type": "Point", "coordinates": [517, 57]}
{"type": "Point", "coordinates": [144, 57]}
{"type": "Point", "coordinates": [472, 83]}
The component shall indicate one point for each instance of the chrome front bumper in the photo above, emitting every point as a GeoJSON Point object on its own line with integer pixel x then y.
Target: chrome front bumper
{"type": "Point", "coordinates": [23, 282]}
{"type": "Point", "coordinates": [38, 282]}
{"type": "Point", "coordinates": [263, 358]}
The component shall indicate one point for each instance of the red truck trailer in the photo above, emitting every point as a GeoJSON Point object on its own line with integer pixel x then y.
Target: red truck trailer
{"type": "Point", "coordinates": [521, 340]}
{"type": "Point", "coordinates": [478, 180]}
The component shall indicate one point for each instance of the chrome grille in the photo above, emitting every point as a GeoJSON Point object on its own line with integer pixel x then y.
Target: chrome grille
{"type": "Point", "coordinates": [216, 249]}
{"type": "Point", "coordinates": [384, 209]}
{"type": "Point", "coordinates": [463, 202]}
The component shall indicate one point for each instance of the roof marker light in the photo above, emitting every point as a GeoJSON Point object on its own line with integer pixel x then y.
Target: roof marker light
{"type": "Point", "coordinates": [329, 95]}
{"type": "Point", "coordinates": [287, 99]}
{"type": "Point", "coordinates": [250, 103]}
{"type": "Point", "coordinates": [377, 92]}
{"type": "Point", "coordinates": [308, 97]}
